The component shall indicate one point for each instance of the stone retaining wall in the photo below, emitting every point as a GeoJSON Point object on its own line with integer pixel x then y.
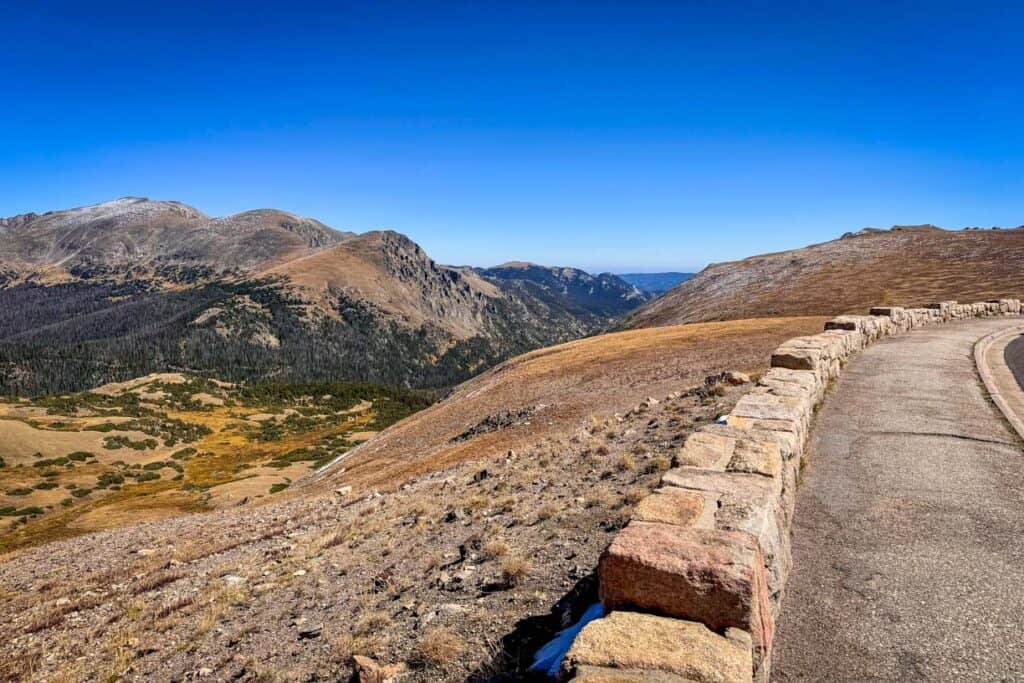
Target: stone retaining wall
{"type": "Point", "coordinates": [692, 585]}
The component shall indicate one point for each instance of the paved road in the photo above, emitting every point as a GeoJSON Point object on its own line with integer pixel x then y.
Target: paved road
{"type": "Point", "coordinates": [909, 527]}
{"type": "Point", "coordinates": [1014, 358]}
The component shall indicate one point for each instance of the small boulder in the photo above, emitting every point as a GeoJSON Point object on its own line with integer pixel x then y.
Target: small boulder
{"type": "Point", "coordinates": [736, 378]}
{"type": "Point", "coordinates": [368, 670]}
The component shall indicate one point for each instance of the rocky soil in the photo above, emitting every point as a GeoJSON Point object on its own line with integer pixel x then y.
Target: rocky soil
{"type": "Point", "coordinates": [458, 575]}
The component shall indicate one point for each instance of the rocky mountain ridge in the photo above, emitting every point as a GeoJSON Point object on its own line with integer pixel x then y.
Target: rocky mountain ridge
{"type": "Point", "coordinates": [135, 286]}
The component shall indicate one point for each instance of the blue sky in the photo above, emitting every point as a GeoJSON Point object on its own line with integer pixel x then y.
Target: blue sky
{"type": "Point", "coordinates": [607, 135]}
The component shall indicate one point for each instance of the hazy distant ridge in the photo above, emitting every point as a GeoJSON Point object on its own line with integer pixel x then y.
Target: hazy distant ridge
{"type": "Point", "coordinates": [655, 283]}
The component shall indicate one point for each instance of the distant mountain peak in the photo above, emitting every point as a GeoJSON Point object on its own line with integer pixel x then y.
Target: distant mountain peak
{"type": "Point", "coordinates": [517, 264]}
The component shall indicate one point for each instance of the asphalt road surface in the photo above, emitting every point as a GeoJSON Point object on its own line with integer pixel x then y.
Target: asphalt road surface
{"type": "Point", "coordinates": [908, 536]}
{"type": "Point", "coordinates": [1014, 358]}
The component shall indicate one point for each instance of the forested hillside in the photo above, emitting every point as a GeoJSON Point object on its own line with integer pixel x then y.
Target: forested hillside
{"type": "Point", "coordinates": [130, 287]}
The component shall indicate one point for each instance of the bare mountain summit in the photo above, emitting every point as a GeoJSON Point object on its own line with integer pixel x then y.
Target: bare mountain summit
{"type": "Point", "coordinates": [905, 265]}
{"type": "Point", "coordinates": [132, 233]}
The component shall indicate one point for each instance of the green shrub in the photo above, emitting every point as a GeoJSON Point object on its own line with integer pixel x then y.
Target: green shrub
{"type": "Point", "coordinates": [52, 461]}
{"type": "Point", "coordinates": [109, 479]}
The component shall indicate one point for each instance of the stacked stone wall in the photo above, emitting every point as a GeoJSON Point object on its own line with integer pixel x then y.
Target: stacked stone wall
{"type": "Point", "coordinates": [693, 584]}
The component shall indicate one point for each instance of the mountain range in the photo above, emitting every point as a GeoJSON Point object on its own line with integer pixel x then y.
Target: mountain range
{"type": "Point", "coordinates": [133, 286]}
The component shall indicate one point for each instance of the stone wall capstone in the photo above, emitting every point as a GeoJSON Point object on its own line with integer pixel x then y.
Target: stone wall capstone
{"type": "Point", "coordinates": [693, 584]}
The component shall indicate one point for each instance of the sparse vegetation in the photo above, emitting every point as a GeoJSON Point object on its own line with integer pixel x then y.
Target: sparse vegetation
{"type": "Point", "coordinates": [440, 647]}
{"type": "Point", "coordinates": [514, 569]}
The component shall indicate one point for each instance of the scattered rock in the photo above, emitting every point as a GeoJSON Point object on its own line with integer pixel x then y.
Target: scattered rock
{"type": "Point", "coordinates": [370, 671]}
{"type": "Point", "coordinates": [311, 632]}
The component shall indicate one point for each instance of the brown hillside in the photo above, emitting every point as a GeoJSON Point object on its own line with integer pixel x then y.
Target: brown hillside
{"type": "Point", "coordinates": [551, 391]}
{"type": "Point", "coordinates": [391, 273]}
{"type": "Point", "coordinates": [906, 265]}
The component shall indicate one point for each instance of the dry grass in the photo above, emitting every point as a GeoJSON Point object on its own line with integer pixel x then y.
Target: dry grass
{"type": "Point", "coordinates": [174, 604]}
{"type": "Point", "coordinates": [547, 511]}
{"type": "Point", "coordinates": [372, 623]}
{"type": "Point", "coordinates": [600, 497]}
{"type": "Point", "coordinates": [54, 615]}
{"type": "Point", "coordinates": [440, 647]}
{"type": "Point", "coordinates": [514, 569]}
{"type": "Point", "coordinates": [156, 580]}
{"type": "Point", "coordinates": [659, 463]}
{"type": "Point", "coordinates": [626, 463]}
{"type": "Point", "coordinates": [604, 374]}
{"type": "Point", "coordinates": [634, 495]}
{"type": "Point", "coordinates": [496, 548]}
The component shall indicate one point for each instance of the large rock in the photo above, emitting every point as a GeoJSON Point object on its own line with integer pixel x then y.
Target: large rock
{"type": "Point", "coordinates": [872, 327]}
{"type": "Point", "coordinates": [671, 505]}
{"type": "Point", "coordinates": [756, 457]}
{"type": "Point", "coordinates": [602, 674]}
{"type": "Point", "coordinates": [797, 358]}
{"type": "Point", "coordinates": [626, 646]}
{"type": "Point", "coordinates": [711, 576]}
{"type": "Point", "coordinates": [795, 383]}
{"type": "Point", "coordinates": [704, 449]}
{"type": "Point", "coordinates": [773, 407]}
{"type": "Point", "coordinates": [752, 504]}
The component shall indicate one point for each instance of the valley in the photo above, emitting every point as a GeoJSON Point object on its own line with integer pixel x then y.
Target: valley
{"type": "Point", "coordinates": [165, 445]}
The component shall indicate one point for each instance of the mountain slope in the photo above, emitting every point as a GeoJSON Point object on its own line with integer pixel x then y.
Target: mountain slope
{"type": "Point", "coordinates": [134, 286]}
{"type": "Point", "coordinates": [907, 264]}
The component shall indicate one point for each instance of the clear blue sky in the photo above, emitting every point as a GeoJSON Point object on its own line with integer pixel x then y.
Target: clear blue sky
{"type": "Point", "coordinates": [608, 135]}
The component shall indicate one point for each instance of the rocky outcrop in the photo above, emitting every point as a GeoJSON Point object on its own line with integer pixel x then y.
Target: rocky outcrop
{"type": "Point", "coordinates": [702, 566]}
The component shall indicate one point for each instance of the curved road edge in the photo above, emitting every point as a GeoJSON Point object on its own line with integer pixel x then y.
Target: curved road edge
{"type": "Point", "coordinates": [998, 378]}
